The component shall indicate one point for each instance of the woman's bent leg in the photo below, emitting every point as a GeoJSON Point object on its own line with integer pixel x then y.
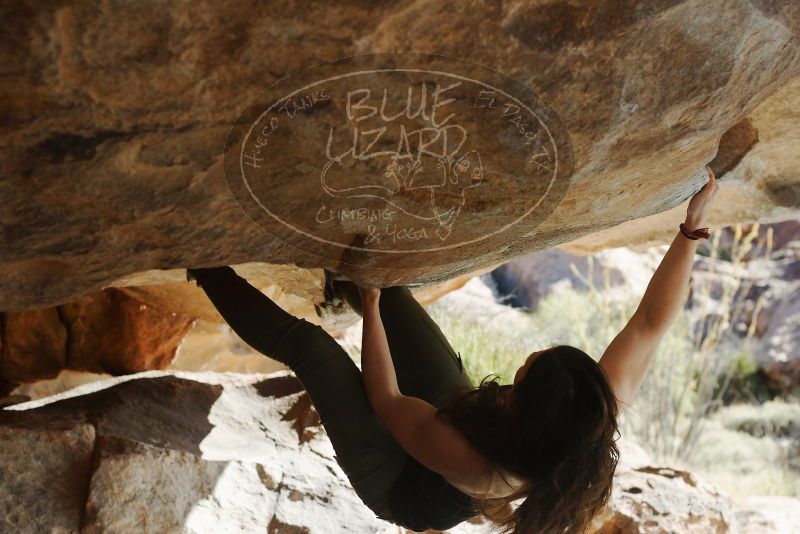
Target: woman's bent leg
{"type": "Point", "coordinates": [426, 365]}
{"type": "Point", "coordinates": [367, 453]}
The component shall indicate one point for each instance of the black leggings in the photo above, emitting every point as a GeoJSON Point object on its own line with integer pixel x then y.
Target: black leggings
{"type": "Point", "coordinates": [427, 367]}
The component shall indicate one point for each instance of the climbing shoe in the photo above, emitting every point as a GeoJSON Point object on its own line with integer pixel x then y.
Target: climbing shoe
{"type": "Point", "coordinates": [330, 291]}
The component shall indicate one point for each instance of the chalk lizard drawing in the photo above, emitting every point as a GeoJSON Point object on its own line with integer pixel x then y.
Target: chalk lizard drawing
{"type": "Point", "coordinates": [447, 183]}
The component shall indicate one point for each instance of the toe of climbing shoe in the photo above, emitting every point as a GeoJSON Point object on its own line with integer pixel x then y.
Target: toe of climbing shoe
{"type": "Point", "coordinates": [330, 292]}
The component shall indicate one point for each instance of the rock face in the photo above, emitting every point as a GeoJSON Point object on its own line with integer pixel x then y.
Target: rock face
{"type": "Point", "coordinates": [108, 332]}
{"type": "Point", "coordinates": [34, 345]}
{"type": "Point", "coordinates": [45, 475]}
{"type": "Point", "coordinates": [154, 476]}
{"type": "Point", "coordinates": [298, 291]}
{"type": "Point", "coordinates": [199, 452]}
{"type": "Point", "coordinates": [164, 452]}
{"type": "Point", "coordinates": [658, 499]}
{"type": "Point", "coordinates": [132, 329]}
{"type": "Point", "coordinates": [115, 121]}
{"type": "Point", "coordinates": [779, 356]}
{"type": "Point", "coordinates": [758, 162]}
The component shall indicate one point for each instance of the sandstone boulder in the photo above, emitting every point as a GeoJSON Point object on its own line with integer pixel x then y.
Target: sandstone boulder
{"type": "Point", "coordinates": [659, 499]}
{"type": "Point", "coordinates": [44, 476]}
{"type": "Point", "coordinates": [196, 452]}
{"type": "Point", "coordinates": [33, 346]}
{"type": "Point", "coordinates": [107, 332]}
{"type": "Point", "coordinates": [115, 123]}
{"type": "Point", "coordinates": [298, 291]}
{"type": "Point", "coordinates": [203, 452]}
{"type": "Point", "coordinates": [111, 332]}
{"type": "Point", "coordinates": [761, 185]}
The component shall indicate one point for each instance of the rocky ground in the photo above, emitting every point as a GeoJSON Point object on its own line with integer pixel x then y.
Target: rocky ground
{"type": "Point", "coordinates": [165, 451]}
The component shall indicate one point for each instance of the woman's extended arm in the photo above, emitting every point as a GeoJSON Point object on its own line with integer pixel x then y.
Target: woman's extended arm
{"type": "Point", "coordinates": [628, 357]}
{"type": "Point", "coordinates": [413, 422]}
{"type": "Point", "coordinates": [667, 289]}
{"type": "Point", "coordinates": [377, 368]}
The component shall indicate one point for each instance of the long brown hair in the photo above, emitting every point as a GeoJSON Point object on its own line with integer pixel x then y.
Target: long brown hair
{"type": "Point", "coordinates": [557, 431]}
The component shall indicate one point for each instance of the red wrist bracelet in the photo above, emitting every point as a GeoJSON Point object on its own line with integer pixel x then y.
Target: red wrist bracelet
{"type": "Point", "coordinates": [695, 234]}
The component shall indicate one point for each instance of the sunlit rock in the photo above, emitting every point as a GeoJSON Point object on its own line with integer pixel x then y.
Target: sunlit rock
{"type": "Point", "coordinates": [214, 451]}
{"type": "Point", "coordinates": [107, 332]}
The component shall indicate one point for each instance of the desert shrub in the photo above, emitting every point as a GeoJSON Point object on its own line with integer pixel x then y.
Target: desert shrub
{"type": "Point", "coordinates": [486, 348]}
{"type": "Point", "coordinates": [777, 419]}
{"type": "Point", "coordinates": [744, 464]}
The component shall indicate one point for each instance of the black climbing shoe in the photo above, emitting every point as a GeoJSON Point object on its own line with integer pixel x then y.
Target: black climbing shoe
{"type": "Point", "coordinates": [330, 291]}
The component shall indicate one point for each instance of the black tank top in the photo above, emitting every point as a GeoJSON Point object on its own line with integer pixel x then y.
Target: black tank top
{"type": "Point", "coordinates": [422, 499]}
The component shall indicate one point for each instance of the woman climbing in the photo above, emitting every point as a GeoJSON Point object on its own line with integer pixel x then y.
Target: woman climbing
{"type": "Point", "coordinates": [423, 447]}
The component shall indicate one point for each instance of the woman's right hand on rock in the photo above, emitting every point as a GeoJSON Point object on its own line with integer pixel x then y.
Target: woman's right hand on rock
{"type": "Point", "coordinates": [699, 204]}
{"type": "Point", "coordinates": [369, 294]}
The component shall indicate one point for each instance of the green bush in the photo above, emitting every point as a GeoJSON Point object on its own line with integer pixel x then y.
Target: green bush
{"type": "Point", "coordinates": [777, 419]}
{"type": "Point", "coordinates": [485, 348]}
{"type": "Point", "coordinates": [743, 464]}
{"type": "Point", "coordinates": [743, 365]}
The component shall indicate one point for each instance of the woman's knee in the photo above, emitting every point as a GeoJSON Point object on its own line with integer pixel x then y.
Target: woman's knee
{"type": "Point", "coordinates": [306, 341]}
{"type": "Point", "coordinates": [303, 333]}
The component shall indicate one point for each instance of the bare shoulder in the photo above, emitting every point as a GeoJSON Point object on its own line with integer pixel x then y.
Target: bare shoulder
{"type": "Point", "coordinates": [477, 474]}
{"type": "Point", "coordinates": [472, 471]}
{"type": "Point", "coordinates": [493, 483]}
{"type": "Point", "coordinates": [432, 440]}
